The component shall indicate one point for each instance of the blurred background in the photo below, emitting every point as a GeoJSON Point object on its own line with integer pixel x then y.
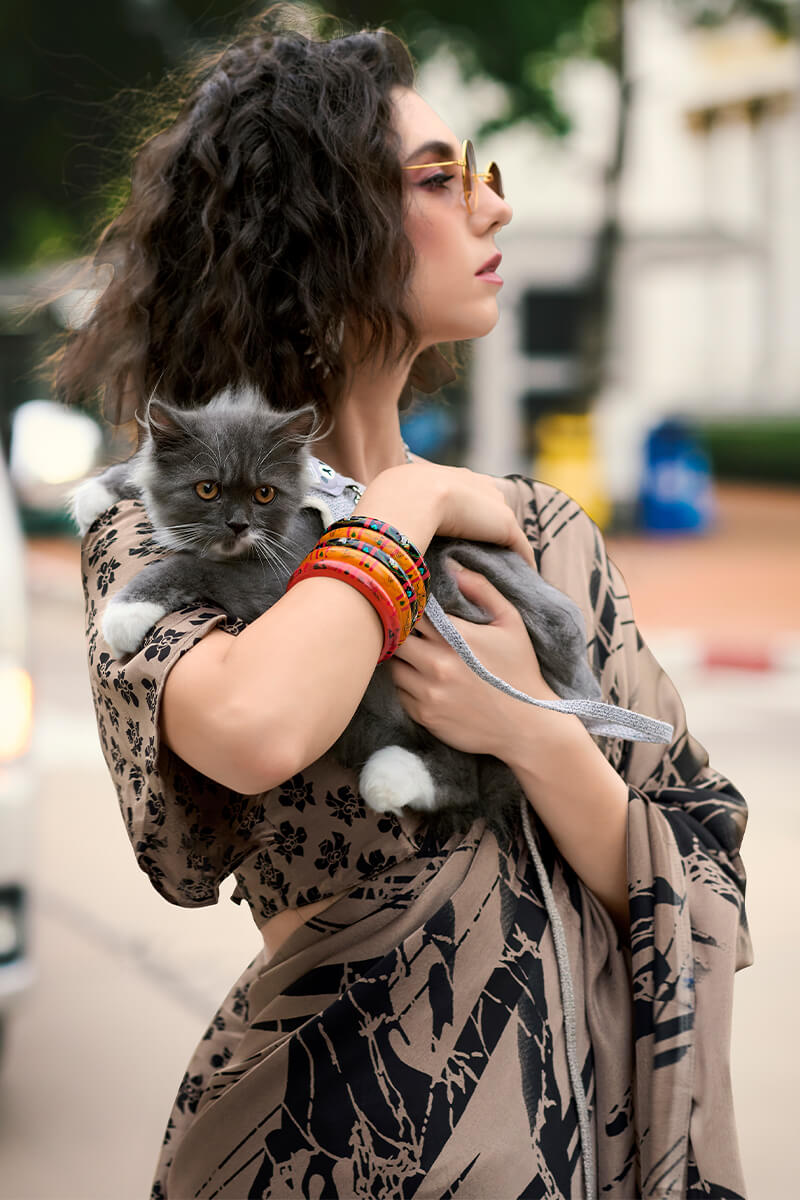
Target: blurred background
{"type": "Point", "coordinates": [647, 362]}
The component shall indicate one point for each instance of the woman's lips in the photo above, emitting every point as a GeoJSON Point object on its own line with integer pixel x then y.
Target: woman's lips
{"type": "Point", "coordinates": [488, 271]}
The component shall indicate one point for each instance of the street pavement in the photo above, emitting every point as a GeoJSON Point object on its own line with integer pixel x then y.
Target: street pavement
{"type": "Point", "coordinates": [126, 983]}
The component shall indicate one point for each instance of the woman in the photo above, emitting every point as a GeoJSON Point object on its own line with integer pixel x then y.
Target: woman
{"type": "Point", "coordinates": [305, 223]}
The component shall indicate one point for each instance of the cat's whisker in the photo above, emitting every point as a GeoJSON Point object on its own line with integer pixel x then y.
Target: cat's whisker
{"type": "Point", "coordinates": [185, 525]}
{"type": "Point", "coordinates": [282, 537]}
{"type": "Point", "coordinates": [215, 457]}
{"type": "Point", "coordinates": [287, 558]}
{"type": "Point", "coordinates": [268, 553]}
{"type": "Point", "coordinates": [277, 445]}
{"type": "Point", "coordinates": [262, 556]}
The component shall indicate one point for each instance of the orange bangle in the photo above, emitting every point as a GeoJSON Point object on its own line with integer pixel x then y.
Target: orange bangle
{"type": "Point", "coordinates": [388, 546]}
{"type": "Point", "coordinates": [375, 523]}
{"type": "Point", "coordinates": [365, 546]}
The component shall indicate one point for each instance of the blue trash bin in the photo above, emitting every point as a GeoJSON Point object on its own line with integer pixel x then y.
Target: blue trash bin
{"type": "Point", "coordinates": [676, 494]}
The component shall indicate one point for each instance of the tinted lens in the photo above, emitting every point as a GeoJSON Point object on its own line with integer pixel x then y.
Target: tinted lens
{"type": "Point", "coordinates": [470, 170]}
{"type": "Point", "coordinates": [495, 180]}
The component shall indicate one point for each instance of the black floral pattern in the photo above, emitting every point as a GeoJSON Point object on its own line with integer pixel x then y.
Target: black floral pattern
{"type": "Point", "coordinates": [269, 875]}
{"type": "Point", "coordinates": [106, 574]}
{"type": "Point", "coordinates": [346, 805]}
{"type": "Point", "coordinates": [333, 852]}
{"type": "Point", "coordinates": [127, 692]}
{"type": "Point", "coordinates": [100, 552]}
{"type": "Point", "coordinates": [135, 740]}
{"type": "Point", "coordinates": [289, 842]}
{"type": "Point", "coordinates": [388, 823]}
{"type": "Point", "coordinates": [189, 1092]}
{"type": "Point", "coordinates": [111, 711]}
{"type": "Point", "coordinates": [296, 793]}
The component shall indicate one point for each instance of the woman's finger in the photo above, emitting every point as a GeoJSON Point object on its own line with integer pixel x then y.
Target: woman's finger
{"type": "Point", "coordinates": [477, 587]}
{"type": "Point", "coordinates": [523, 547]}
{"type": "Point", "coordinates": [404, 676]}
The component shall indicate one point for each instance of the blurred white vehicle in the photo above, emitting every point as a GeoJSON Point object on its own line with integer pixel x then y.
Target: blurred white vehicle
{"type": "Point", "coordinates": [17, 784]}
{"type": "Point", "coordinates": [52, 447]}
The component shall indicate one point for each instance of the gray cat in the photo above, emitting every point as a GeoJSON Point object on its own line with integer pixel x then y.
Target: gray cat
{"type": "Point", "coordinates": [223, 486]}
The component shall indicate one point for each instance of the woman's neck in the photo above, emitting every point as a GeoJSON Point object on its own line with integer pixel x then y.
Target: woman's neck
{"type": "Point", "coordinates": [366, 438]}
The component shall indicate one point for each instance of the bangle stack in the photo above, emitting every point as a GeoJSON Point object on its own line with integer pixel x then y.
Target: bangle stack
{"type": "Point", "coordinates": [381, 563]}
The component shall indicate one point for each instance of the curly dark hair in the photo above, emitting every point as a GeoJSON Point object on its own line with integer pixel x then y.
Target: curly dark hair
{"type": "Point", "coordinates": [267, 209]}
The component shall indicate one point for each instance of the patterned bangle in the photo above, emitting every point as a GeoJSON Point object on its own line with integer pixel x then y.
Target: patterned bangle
{"type": "Point", "coordinates": [375, 523]}
{"type": "Point", "coordinates": [389, 546]}
{"type": "Point", "coordinates": [364, 583]}
{"type": "Point", "coordinates": [366, 547]}
{"type": "Point", "coordinates": [371, 566]}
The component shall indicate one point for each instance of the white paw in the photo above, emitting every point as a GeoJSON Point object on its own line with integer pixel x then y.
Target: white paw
{"type": "Point", "coordinates": [87, 501]}
{"type": "Point", "coordinates": [126, 622]}
{"type": "Point", "coordinates": [393, 778]}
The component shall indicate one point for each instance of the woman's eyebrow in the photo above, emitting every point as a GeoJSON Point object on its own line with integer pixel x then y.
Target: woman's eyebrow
{"type": "Point", "coordinates": [443, 150]}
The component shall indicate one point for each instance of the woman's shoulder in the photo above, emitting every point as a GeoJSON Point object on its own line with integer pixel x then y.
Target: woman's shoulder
{"type": "Point", "coordinates": [549, 516]}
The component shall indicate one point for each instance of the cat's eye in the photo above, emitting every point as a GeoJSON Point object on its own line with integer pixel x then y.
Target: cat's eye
{"type": "Point", "coordinates": [207, 490]}
{"type": "Point", "coordinates": [265, 494]}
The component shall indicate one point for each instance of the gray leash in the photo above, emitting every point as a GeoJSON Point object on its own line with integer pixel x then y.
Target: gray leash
{"type": "Point", "coordinates": [329, 496]}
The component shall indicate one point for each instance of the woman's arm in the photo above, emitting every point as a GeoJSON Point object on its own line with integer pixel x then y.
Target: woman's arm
{"type": "Point", "coordinates": [286, 687]}
{"type": "Point", "coordinates": [578, 796]}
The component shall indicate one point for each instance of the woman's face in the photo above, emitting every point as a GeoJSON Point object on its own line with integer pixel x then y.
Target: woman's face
{"type": "Point", "coordinates": [449, 299]}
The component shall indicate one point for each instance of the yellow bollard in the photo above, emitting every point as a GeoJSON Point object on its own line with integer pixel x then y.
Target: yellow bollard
{"type": "Point", "coordinates": [567, 459]}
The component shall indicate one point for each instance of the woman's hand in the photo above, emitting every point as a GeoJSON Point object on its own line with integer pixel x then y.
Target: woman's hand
{"type": "Point", "coordinates": [439, 691]}
{"type": "Point", "coordinates": [474, 507]}
{"type": "Point", "coordinates": [425, 499]}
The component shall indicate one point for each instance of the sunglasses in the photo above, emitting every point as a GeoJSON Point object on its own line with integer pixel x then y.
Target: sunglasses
{"type": "Point", "coordinates": [469, 172]}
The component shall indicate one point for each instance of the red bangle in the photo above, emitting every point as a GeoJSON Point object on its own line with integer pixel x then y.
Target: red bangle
{"type": "Point", "coordinates": [369, 587]}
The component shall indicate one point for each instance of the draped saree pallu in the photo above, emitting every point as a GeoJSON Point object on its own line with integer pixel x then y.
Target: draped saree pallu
{"type": "Point", "coordinates": [410, 1040]}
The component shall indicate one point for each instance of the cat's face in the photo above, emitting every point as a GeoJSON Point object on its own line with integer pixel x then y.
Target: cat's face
{"type": "Point", "coordinates": [225, 480]}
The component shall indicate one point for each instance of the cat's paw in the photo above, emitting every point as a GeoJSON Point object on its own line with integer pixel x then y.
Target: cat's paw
{"type": "Point", "coordinates": [125, 623]}
{"type": "Point", "coordinates": [87, 501]}
{"type": "Point", "coordinates": [394, 778]}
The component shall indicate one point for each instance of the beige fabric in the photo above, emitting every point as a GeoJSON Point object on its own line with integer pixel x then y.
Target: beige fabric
{"type": "Point", "coordinates": [409, 1040]}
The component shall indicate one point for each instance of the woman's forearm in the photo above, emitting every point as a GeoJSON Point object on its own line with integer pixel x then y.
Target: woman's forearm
{"type": "Point", "coordinates": [579, 797]}
{"type": "Point", "coordinates": [300, 671]}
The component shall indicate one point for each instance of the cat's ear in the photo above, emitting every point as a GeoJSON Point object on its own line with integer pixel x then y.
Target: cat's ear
{"type": "Point", "coordinates": [163, 421]}
{"type": "Point", "coordinates": [301, 425]}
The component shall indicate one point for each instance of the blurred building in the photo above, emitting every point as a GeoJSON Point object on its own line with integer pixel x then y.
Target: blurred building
{"type": "Point", "coordinates": [707, 283]}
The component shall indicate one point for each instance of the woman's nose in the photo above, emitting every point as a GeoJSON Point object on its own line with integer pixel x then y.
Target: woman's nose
{"type": "Point", "coordinates": [492, 209]}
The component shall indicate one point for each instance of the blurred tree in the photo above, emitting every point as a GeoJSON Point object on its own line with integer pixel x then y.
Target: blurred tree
{"type": "Point", "coordinates": [70, 74]}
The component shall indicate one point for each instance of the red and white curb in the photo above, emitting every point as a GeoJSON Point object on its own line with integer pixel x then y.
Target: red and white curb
{"type": "Point", "coordinates": [683, 650]}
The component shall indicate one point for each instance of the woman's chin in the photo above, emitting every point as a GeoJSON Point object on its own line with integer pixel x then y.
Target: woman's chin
{"type": "Point", "coordinates": [477, 325]}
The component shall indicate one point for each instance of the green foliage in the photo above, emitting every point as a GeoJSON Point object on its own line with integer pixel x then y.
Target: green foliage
{"type": "Point", "coordinates": [765, 449]}
{"type": "Point", "coordinates": [520, 45]}
{"type": "Point", "coordinates": [72, 76]}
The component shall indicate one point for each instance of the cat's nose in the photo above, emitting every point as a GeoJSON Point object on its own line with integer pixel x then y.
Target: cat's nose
{"type": "Point", "coordinates": [238, 526]}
